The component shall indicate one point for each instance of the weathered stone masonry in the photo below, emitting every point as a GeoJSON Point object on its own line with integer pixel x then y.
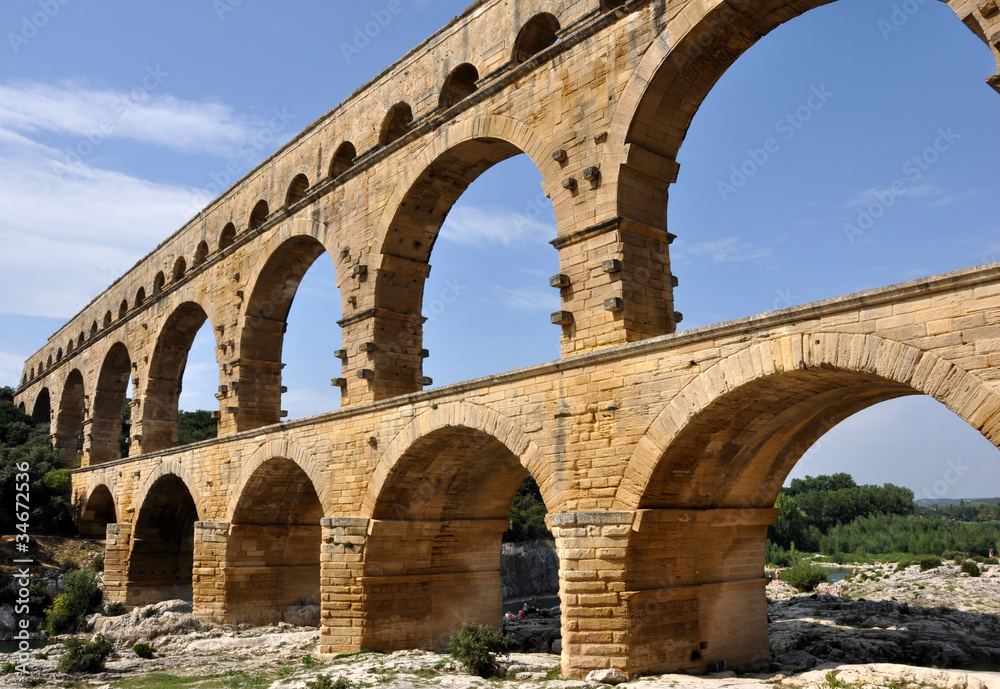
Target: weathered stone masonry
{"type": "Point", "coordinates": [659, 455]}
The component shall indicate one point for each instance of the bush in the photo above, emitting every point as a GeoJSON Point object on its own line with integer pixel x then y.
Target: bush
{"type": "Point", "coordinates": [97, 564]}
{"type": "Point", "coordinates": [971, 568]}
{"type": "Point", "coordinates": [927, 562]}
{"type": "Point", "coordinates": [804, 575]}
{"type": "Point", "coordinates": [903, 564]}
{"type": "Point", "coordinates": [324, 682]}
{"type": "Point", "coordinates": [86, 657]}
{"type": "Point", "coordinates": [144, 651]}
{"type": "Point", "coordinates": [80, 597]}
{"type": "Point", "coordinates": [8, 669]}
{"type": "Point", "coordinates": [115, 609]}
{"type": "Point", "coordinates": [956, 555]}
{"type": "Point", "coordinates": [476, 646]}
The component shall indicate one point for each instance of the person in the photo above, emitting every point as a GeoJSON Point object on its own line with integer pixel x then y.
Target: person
{"type": "Point", "coordinates": [524, 610]}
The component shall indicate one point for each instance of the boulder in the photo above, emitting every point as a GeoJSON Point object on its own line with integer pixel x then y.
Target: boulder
{"type": "Point", "coordinates": [606, 676]}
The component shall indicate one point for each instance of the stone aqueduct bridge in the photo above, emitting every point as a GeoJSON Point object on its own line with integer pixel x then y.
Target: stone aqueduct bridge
{"type": "Point", "coordinates": [659, 455]}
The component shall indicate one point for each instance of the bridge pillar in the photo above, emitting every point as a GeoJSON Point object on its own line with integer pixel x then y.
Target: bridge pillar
{"type": "Point", "coordinates": [117, 546]}
{"type": "Point", "coordinates": [392, 585]}
{"type": "Point", "coordinates": [662, 590]}
{"type": "Point", "coordinates": [617, 285]}
{"type": "Point", "coordinates": [342, 560]}
{"type": "Point", "coordinates": [211, 539]}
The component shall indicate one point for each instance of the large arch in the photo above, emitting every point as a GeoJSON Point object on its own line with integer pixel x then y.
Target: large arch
{"type": "Point", "coordinates": [161, 562]}
{"type": "Point", "coordinates": [71, 414]}
{"type": "Point", "coordinates": [731, 436]}
{"type": "Point", "coordinates": [694, 49]}
{"type": "Point", "coordinates": [273, 551]}
{"type": "Point", "coordinates": [109, 404]}
{"type": "Point", "coordinates": [98, 511]}
{"type": "Point", "coordinates": [41, 410]}
{"type": "Point", "coordinates": [439, 505]}
{"type": "Point", "coordinates": [703, 480]}
{"type": "Point", "coordinates": [158, 407]}
{"type": "Point", "coordinates": [264, 325]}
{"type": "Point", "coordinates": [409, 227]}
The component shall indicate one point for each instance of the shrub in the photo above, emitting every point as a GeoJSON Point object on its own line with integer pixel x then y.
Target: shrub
{"type": "Point", "coordinates": [86, 657]}
{"type": "Point", "coordinates": [476, 646]}
{"type": "Point", "coordinates": [148, 612]}
{"type": "Point", "coordinates": [8, 669]}
{"type": "Point", "coordinates": [927, 562]}
{"type": "Point", "coordinates": [115, 609]}
{"type": "Point", "coordinates": [903, 564]}
{"type": "Point", "coordinates": [956, 555]}
{"type": "Point", "coordinates": [971, 568]}
{"type": "Point", "coordinates": [144, 651]}
{"type": "Point", "coordinates": [324, 682]}
{"type": "Point", "coordinates": [97, 564]}
{"type": "Point", "coordinates": [80, 597]}
{"type": "Point", "coordinates": [804, 575]}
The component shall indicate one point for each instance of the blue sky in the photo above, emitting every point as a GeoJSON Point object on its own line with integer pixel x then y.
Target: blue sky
{"type": "Point", "coordinates": [818, 122]}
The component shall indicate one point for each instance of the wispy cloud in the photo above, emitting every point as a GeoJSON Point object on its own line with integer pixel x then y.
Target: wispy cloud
{"type": "Point", "coordinates": [729, 250]}
{"type": "Point", "coordinates": [71, 109]}
{"type": "Point", "coordinates": [528, 299]}
{"type": "Point", "coordinates": [877, 195]}
{"type": "Point", "coordinates": [485, 227]}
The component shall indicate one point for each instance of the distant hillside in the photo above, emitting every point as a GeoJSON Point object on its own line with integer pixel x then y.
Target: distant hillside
{"type": "Point", "coordinates": [948, 501]}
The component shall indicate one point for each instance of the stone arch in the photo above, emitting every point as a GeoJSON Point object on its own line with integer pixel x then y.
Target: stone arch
{"type": "Point", "coordinates": [227, 236]}
{"type": "Point", "coordinates": [273, 551]}
{"type": "Point", "coordinates": [93, 330]}
{"type": "Point", "coordinates": [673, 78]}
{"type": "Point", "coordinates": [98, 511]}
{"type": "Point", "coordinates": [200, 253]}
{"type": "Point", "coordinates": [410, 224]}
{"type": "Point", "coordinates": [48, 363]}
{"type": "Point", "coordinates": [161, 561]}
{"type": "Point", "coordinates": [280, 449]}
{"type": "Point", "coordinates": [59, 354]}
{"type": "Point", "coordinates": [109, 403]}
{"type": "Point", "coordinates": [21, 408]}
{"type": "Point", "coordinates": [397, 122]}
{"type": "Point", "coordinates": [777, 398]}
{"type": "Point", "coordinates": [474, 418]}
{"type": "Point", "coordinates": [140, 298]}
{"type": "Point", "coordinates": [258, 216]}
{"type": "Point", "coordinates": [460, 84]}
{"type": "Point", "coordinates": [122, 311]}
{"type": "Point", "coordinates": [261, 337]}
{"type": "Point", "coordinates": [296, 189]}
{"type": "Point", "coordinates": [158, 408]}
{"type": "Point", "coordinates": [439, 500]}
{"type": "Point", "coordinates": [170, 467]}
{"type": "Point", "coordinates": [71, 414]}
{"type": "Point", "coordinates": [179, 269]}
{"type": "Point", "coordinates": [158, 282]}
{"type": "Point", "coordinates": [41, 410]}
{"type": "Point", "coordinates": [537, 34]}
{"type": "Point", "coordinates": [343, 159]}
{"type": "Point", "coordinates": [108, 319]}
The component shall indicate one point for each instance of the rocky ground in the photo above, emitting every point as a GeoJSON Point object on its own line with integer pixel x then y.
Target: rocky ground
{"type": "Point", "coordinates": [886, 625]}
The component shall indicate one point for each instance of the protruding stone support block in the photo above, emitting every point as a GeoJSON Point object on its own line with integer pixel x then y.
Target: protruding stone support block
{"type": "Point", "coordinates": [211, 540]}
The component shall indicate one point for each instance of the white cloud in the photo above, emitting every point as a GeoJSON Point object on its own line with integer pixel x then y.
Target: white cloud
{"type": "Point", "coordinates": [485, 227]}
{"type": "Point", "coordinates": [730, 250]}
{"type": "Point", "coordinates": [65, 235]}
{"type": "Point", "coordinates": [528, 299]}
{"type": "Point", "coordinates": [144, 114]}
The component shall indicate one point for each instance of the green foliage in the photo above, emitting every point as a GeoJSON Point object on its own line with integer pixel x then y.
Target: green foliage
{"type": "Point", "coordinates": [927, 562]}
{"type": "Point", "coordinates": [144, 651]}
{"type": "Point", "coordinates": [804, 575]}
{"type": "Point", "coordinates": [22, 441]}
{"type": "Point", "coordinates": [476, 647]}
{"type": "Point", "coordinates": [777, 556]}
{"type": "Point", "coordinates": [241, 680]}
{"type": "Point", "coordinates": [115, 609]}
{"type": "Point", "coordinates": [80, 597]}
{"type": "Point", "coordinates": [148, 612]}
{"type": "Point", "coordinates": [910, 534]}
{"type": "Point", "coordinates": [97, 564]}
{"type": "Point", "coordinates": [971, 568]}
{"type": "Point", "coordinates": [38, 596]}
{"type": "Point", "coordinates": [8, 669]}
{"type": "Point", "coordinates": [324, 682]}
{"type": "Point", "coordinates": [963, 511]}
{"type": "Point", "coordinates": [195, 426]}
{"type": "Point", "coordinates": [86, 657]}
{"type": "Point", "coordinates": [527, 515]}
